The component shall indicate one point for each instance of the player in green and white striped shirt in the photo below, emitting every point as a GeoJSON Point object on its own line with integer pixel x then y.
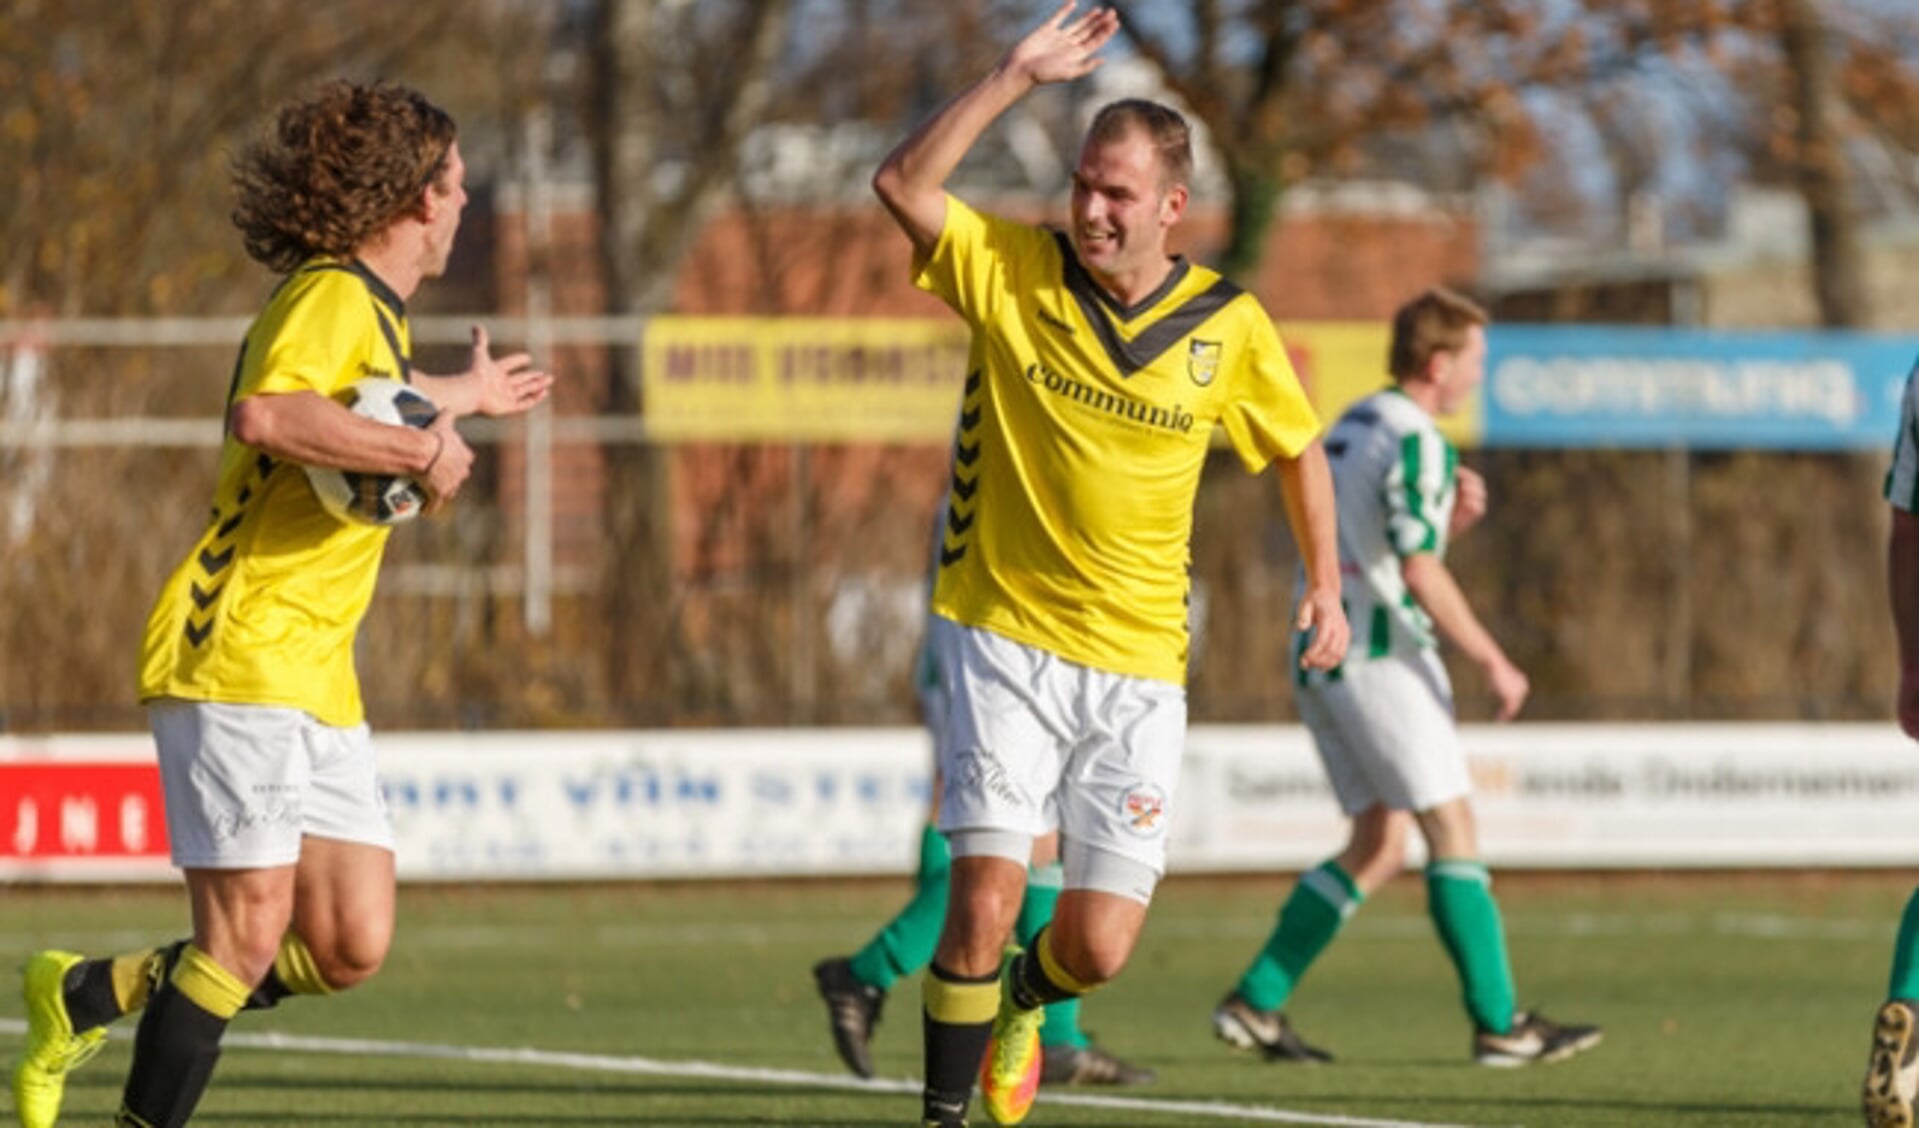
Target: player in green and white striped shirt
{"type": "Point", "coordinates": [1383, 720]}
{"type": "Point", "coordinates": [1892, 1072]}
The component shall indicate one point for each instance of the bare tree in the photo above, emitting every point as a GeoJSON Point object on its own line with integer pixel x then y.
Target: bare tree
{"type": "Point", "coordinates": [1295, 88]}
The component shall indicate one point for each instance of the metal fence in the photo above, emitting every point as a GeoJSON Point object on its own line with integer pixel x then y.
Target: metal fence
{"type": "Point", "coordinates": [593, 576]}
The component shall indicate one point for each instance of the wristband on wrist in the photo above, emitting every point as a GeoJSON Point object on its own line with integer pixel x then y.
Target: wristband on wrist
{"type": "Point", "coordinates": [438, 449]}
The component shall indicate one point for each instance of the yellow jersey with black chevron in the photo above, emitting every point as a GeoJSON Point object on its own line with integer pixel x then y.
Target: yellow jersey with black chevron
{"type": "Point", "coordinates": [1082, 433]}
{"type": "Point", "coordinates": [264, 609]}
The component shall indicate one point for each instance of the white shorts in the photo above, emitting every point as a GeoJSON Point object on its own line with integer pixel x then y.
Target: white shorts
{"type": "Point", "coordinates": [1035, 743]}
{"type": "Point", "coordinates": [1384, 729]}
{"type": "Point", "coordinates": [244, 783]}
{"type": "Point", "coordinates": [932, 684]}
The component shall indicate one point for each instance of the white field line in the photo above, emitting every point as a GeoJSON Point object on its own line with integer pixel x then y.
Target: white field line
{"type": "Point", "coordinates": [1754, 926]}
{"type": "Point", "coordinates": [606, 1063]}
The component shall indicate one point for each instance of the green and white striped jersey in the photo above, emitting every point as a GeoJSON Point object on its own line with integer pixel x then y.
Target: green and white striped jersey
{"type": "Point", "coordinates": [1394, 485]}
{"type": "Point", "coordinates": [1902, 481]}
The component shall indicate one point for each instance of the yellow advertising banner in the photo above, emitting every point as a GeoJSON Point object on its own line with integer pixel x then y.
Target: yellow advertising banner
{"type": "Point", "coordinates": [1339, 362]}
{"type": "Point", "coordinates": [793, 379]}
{"type": "Point", "coordinates": [897, 380]}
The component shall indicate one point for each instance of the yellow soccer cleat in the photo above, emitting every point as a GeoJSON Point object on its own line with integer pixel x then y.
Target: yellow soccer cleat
{"type": "Point", "coordinates": [53, 1049]}
{"type": "Point", "coordinates": [1009, 1077]}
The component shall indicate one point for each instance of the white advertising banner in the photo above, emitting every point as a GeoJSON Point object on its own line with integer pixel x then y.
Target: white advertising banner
{"type": "Point", "coordinates": [1584, 795]}
{"type": "Point", "coordinates": [734, 803]}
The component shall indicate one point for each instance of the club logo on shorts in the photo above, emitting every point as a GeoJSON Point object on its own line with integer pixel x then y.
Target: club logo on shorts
{"type": "Point", "coordinates": [1144, 808]}
{"type": "Point", "coordinates": [1202, 360]}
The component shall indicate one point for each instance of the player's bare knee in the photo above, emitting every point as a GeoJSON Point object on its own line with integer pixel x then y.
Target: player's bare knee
{"type": "Point", "coordinates": [1376, 847]}
{"type": "Point", "coordinates": [1094, 961]}
{"type": "Point", "coordinates": [1450, 830]}
{"type": "Point", "coordinates": [352, 963]}
{"type": "Point", "coordinates": [354, 954]}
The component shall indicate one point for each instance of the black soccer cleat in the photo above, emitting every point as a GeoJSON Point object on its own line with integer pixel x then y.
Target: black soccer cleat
{"type": "Point", "coordinates": [1089, 1065]}
{"type": "Point", "coordinates": [852, 1010]}
{"type": "Point", "coordinates": [1239, 1023]}
{"type": "Point", "coordinates": [1533, 1039]}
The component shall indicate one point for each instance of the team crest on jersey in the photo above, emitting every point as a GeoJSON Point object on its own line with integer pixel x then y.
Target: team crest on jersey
{"type": "Point", "coordinates": [1202, 360]}
{"type": "Point", "coordinates": [1144, 808]}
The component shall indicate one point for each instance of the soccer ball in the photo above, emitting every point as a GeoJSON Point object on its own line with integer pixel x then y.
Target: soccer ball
{"type": "Point", "coordinates": [376, 499]}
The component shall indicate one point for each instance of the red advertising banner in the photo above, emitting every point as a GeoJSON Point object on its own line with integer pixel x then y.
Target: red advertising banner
{"type": "Point", "coordinates": [65, 810]}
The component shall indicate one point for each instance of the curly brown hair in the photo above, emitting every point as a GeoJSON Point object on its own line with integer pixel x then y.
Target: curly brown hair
{"type": "Point", "coordinates": [337, 169]}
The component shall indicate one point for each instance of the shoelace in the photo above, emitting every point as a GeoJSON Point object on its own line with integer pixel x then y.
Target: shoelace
{"type": "Point", "coordinates": [850, 1010]}
{"type": "Point", "coordinates": [77, 1052]}
{"type": "Point", "coordinates": [1094, 1066]}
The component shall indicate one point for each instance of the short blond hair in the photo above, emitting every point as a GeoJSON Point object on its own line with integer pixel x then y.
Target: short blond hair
{"type": "Point", "coordinates": [1165, 128]}
{"type": "Point", "coordinates": [1436, 321]}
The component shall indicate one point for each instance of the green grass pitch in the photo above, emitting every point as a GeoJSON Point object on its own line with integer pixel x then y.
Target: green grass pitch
{"type": "Point", "coordinates": [1727, 1000]}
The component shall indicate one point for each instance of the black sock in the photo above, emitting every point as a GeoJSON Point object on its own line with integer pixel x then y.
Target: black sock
{"type": "Point", "coordinates": [178, 1042]}
{"type": "Point", "coordinates": [955, 1046]}
{"type": "Point", "coordinates": [269, 993]}
{"type": "Point", "coordinates": [1031, 988]}
{"type": "Point", "coordinates": [88, 993]}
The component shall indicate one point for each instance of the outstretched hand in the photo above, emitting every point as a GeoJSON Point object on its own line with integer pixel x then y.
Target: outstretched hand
{"type": "Point", "coordinates": [1059, 51]}
{"type": "Point", "coordinates": [507, 385]}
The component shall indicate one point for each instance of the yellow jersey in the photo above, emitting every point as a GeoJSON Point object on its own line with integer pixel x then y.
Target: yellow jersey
{"type": "Point", "coordinates": [1082, 433]}
{"type": "Point", "coordinates": [264, 609]}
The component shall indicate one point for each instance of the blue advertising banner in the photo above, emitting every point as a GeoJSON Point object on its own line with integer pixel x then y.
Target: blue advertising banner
{"type": "Point", "coordinates": [1640, 388]}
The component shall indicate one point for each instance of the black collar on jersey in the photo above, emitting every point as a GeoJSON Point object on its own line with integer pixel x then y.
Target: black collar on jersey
{"type": "Point", "coordinates": [380, 289]}
{"type": "Point", "coordinates": [1131, 356]}
{"type": "Point", "coordinates": [383, 295]}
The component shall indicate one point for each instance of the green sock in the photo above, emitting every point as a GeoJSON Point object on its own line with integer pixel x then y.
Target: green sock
{"type": "Point", "coordinates": [907, 942]}
{"type": "Point", "coordinates": [1905, 954]}
{"type": "Point", "coordinates": [1321, 901]}
{"type": "Point", "coordinates": [1043, 885]}
{"type": "Point", "coordinates": [1459, 894]}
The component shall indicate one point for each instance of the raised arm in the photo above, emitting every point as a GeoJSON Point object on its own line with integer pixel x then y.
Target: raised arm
{"type": "Point", "coordinates": [1306, 485]}
{"type": "Point", "coordinates": [911, 182]}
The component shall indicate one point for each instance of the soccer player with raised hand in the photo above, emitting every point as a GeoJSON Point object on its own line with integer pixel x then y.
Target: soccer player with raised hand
{"type": "Point", "coordinates": [1100, 366]}
{"type": "Point", "coordinates": [273, 806]}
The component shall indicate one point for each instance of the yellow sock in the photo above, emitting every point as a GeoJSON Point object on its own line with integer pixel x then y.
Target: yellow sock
{"type": "Point", "coordinates": [212, 988]}
{"type": "Point", "coordinates": [133, 977]}
{"type": "Point", "coordinates": [1050, 966]}
{"type": "Point", "coordinates": [297, 969]}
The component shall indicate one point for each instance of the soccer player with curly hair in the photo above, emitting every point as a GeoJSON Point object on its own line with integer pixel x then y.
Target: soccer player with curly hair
{"type": "Point", "coordinates": [273, 806]}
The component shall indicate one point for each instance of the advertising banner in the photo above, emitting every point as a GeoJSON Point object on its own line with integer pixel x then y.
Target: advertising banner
{"type": "Point", "coordinates": [1340, 362]}
{"type": "Point", "coordinates": [796, 379]}
{"type": "Point", "coordinates": [1552, 387]}
{"type": "Point", "coordinates": [897, 380]}
{"type": "Point", "coordinates": [742, 803]}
